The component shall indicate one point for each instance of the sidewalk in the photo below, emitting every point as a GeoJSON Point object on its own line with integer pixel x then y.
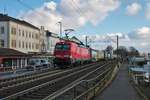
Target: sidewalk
{"type": "Point", "coordinates": [120, 88]}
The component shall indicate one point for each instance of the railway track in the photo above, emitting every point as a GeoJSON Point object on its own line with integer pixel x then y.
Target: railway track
{"type": "Point", "coordinates": [25, 75]}
{"type": "Point", "coordinates": [21, 86]}
{"type": "Point", "coordinates": [40, 88]}
{"type": "Point", "coordinates": [71, 91]}
{"type": "Point", "coordinates": [10, 83]}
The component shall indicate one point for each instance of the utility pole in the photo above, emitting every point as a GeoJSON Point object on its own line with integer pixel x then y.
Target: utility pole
{"type": "Point", "coordinates": [60, 29]}
{"type": "Point", "coordinates": [117, 48]}
{"type": "Point", "coordinates": [86, 37]}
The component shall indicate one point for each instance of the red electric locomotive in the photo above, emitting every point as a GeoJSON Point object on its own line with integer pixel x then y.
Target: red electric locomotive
{"type": "Point", "coordinates": [69, 53]}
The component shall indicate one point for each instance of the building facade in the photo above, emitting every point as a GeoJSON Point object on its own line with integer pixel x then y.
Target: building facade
{"type": "Point", "coordinates": [19, 35]}
{"type": "Point", "coordinates": [52, 39]}
{"type": "Point", "coordinates": [11, 59]}
{"type": "Point", "coordinates": [43, 40]}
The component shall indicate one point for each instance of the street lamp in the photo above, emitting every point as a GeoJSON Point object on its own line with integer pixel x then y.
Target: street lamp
{"type": "Point", "coordinates": [60, 29]}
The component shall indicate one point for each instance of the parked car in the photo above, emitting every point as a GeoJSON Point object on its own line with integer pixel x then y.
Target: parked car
{"type": "Point", "coordinates": [147, 73]}
{"type": "Point", "coordinates": [37, 64]}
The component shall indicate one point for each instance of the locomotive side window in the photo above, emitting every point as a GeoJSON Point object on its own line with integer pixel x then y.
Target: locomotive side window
{"type": "Point", "coordinates": [62, 47]}
{"type": "Point", "coordinates": [65, 47]}
{"type": "Point", "coordinates": [58, 47]}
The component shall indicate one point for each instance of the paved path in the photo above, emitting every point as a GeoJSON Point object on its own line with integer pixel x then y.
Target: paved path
{"type": "Point", "coordinates": [120, 89]}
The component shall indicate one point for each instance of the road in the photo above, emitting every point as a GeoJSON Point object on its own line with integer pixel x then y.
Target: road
{"type": "Point", "coordinates": [120, 88]}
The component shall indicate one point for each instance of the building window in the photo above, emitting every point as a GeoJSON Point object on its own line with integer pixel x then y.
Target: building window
{"type": "Point", "coordinates": [37, 46]}
{"type": "Point", "coordinates": [19, 32]}
{"type": "Point", "coordinates": [32, 45]}
{"type": "Point", "coordinates": [2, 30]}
{"type": "Point", "coordinates": [22, 44]}
{"type": "Point", "coordinates": [36, 36]}
{"type": "Point", "coordinates": [29, 34]}
{"type": "Point", "coordinates": [19, 44]}
{"type": "Point", "coordinates": [13, 43]}
{"type": "Point", "coordinates": [23, 33]}
{"type": "Point", "coordinates": [26, 44]}
{"type": "Point", "coordinates": [29, 45]}
{"type": "Point", "coordinates": [26, 34]}
{"type": "Point", "coordinates": [32, 35]}
{"type": "Point", "coordinates": [1, 43]}
{"type": "Point", "coordinates": [13, 31]}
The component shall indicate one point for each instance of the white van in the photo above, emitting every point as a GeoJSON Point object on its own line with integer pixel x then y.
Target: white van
{"type": "Point", "coordinates": [38, 63]}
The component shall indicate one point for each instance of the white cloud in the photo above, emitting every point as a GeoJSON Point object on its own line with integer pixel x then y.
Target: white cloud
{"type": "Point", "coordinates": [133, 9]}
{"type": "Point", "coordinates": [50, 5]}
{"type": "Point", "coordinates": [141, 33]}
{"type": "Point", "coordinates": [139, 39]}
{"type": "Point", "coordinates": [100, 41]}
{"type": "Point", "coordinates": [148, 11]}
{"type": "Point", "coordinates": [144, 32]}
{"type": "Point", "coordinates": [72, 13]}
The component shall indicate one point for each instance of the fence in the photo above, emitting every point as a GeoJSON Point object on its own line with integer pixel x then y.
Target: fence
{"type": "Point", "coordinates": [85, 89]}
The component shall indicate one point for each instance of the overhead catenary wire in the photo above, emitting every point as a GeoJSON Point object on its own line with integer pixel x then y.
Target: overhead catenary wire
{"type": "Point", "coordinates": [81, 13]}
{"type": "Point", "coordinates": [29, 7]}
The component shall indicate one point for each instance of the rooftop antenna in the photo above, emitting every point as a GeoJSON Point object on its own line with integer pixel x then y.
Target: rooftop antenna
{"type": "Point", "coordinates": [5, 10]}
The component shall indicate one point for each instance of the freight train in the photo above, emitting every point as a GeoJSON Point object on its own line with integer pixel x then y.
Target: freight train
{"type": "Point", "coordinates": [72, 53]}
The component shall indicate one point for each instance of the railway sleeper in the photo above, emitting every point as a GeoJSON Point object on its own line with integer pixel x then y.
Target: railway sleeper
{"type": "Point", "coordinates": [34, 96]}
{"type": "Point", "coordinates": [44, 80]}
{"type": "Point", "coordinates": [40, 94]}
{"type": "Point", "coordinates": [27, 98]}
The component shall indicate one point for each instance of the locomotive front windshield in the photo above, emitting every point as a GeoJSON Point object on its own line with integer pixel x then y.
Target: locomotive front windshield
{"type": "Point", "coordinates": [62, 47]}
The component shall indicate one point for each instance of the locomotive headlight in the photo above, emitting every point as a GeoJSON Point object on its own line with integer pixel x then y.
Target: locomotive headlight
{"type": "Point", "coordinates": [70, 56]}
{"type": "Point", "coordinates": [67, 56]}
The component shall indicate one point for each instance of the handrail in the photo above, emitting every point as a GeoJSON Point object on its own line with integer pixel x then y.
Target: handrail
{"type": "Point", "coordinates": [57, 94]}
{"type": "Point", "coordinates": [84, 93]}
{"type": "Point", "coordinates": [44, 84]}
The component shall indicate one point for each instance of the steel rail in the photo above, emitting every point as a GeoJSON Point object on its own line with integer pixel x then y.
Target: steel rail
{"type": "Point", "coordinates": [102, 81]}
{"type": "Point", "coordinates": [23, 79]}
{"type": "Point", "coordinates": [39, 86]}
{"type": "Point", "coordinates": [72, 85]}
{"type": "Point", "coordinates": [66, 77]}
{"type": "Point", "coordinates": [24, 75]}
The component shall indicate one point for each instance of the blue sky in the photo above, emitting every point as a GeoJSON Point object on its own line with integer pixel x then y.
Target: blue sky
{"type": "Point", "coordinates": [117, 18]}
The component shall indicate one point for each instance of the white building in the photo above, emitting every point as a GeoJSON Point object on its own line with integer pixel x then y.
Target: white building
{"type": "Point", "coordinates": [20, 35]}
{"type": "Point", "coordinates": [43, 39]}
{"type": "Point", "coordinates": [52, 39]}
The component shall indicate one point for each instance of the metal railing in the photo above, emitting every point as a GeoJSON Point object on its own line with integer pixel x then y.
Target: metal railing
{"type": "Point", "coordinates": [64, 74]}
{"type": "Point", "coordinates": [93, 90]}
{"type": "Point", "coordinates": [85, 89]}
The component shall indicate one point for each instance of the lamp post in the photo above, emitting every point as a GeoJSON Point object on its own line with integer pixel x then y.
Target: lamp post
{"type": "Point", "coordinates": [86, 38]}
{"type": "Point", "coordinates": [117, 50]}
{"type": "Point", "coordinates": [117, 43]}
{"type": "Point", "coordinates": [60, 29]}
